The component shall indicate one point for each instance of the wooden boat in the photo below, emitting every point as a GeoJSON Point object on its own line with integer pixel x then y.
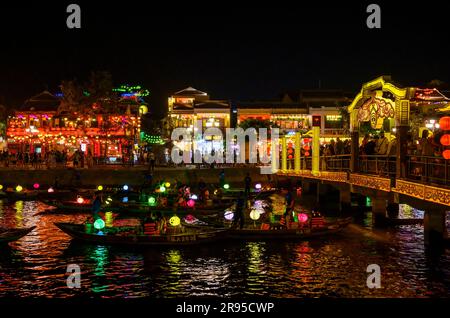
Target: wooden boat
{"type": "Point", "coordinates": [11, 235]}
{"type": "Point", "coordinates": [77, 231]}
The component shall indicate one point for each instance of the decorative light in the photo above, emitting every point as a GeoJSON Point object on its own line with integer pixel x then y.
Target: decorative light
{"type": "Point", "coordinates": [446, 154]}
{"type": "Point", "coordinates": [254, 215]}
{"type": "Point", "coordinates": [190, 219]}
{"type": "Point", "coordinates": [80, 200]}
{"type": "Point", "coordinates": [19, 188]}
{"type": "Point", "coordinates": [50, 190]}
{"type": "Point", "coordinates": [174, 220]}
{"type": "Point", "coordinates": [191, 203]}
{"type": "Point", "coordinates": [258, 186]}
{"type": "Point", "coordinates": [125, 199]}
{"type": "Point", "coordinates": [226, 186]}
{"type": "Point", "coordinates": [444, 123]}
{"type": "Point", "coordinates": [162, 189]}
{"type": "Point", "coordinates": [167, 184]}
{"type": "Point", "coordinates": [302, 217]}
{"type": "Point", "coordinates": [229, 215]}
{"type": "Point", "coordinates": [99, 224]}
{"type": "Point", "coordinates": [445, 140]}
{"type": "Point", "coordinates": [109, 220]}
{"type": "Point", "coordinates": [1, 187]}
{"type": "Point", "coordinates": [100, 188]}
{"type": "Point", "coordinates": [125, 188]}
{"type": "Point", "coordinates": [152, 201]}
{"type": "Point", "coordinates": [194, 197]}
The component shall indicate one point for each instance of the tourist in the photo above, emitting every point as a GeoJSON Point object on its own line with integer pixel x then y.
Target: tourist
{"type": "Point", "coordinates": [382, 145]}
{"type": "Point", "coordinates": [151, 157]}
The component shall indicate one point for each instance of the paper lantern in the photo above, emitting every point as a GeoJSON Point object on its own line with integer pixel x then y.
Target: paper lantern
{"type": "Point", "coordinates": [306, 147]}
{"type": "Point", "coordinates": [307, 154]}
{"type": "Point", "coordinates": [162, 189]}
{"type": "Point", "coordinates": [258, 186]}
{"type": "Point", "coordinates": [80, 200]}
{"type": "Point", "coordinates": [99, 224]}
{"type": "Point", "coordinates": [125, 199]}
{"type": "Point", "coordinates": [50, 190]}
{"type": "Point", "coordinates": [19, 188]}
{"type": "Point", "coordinates": [36, 185]}
{"type": "Point", "coordinates": [190, 219]}
{"type": "Point", "coordinates": [226, 186]}
{"type": "Point", "coordinates": [194, 197]}
{"type": "Point", "coordinates": [191, 203]}
{"type": "Point", "coordinates": [109, 219]}
{"type": "Point", "coordinates": [444, 123]}
{"type": "Point", "coordinates": [302, 217]}
{"type": "Point", "coordinates": [174, 220]}
{"type": "Point", "coordinates": [254, 215]}
{"type": "Point", "coordinates": [125, 187]}
{"type": "Point", "coordinates": [1, 187]}
{"type": "Point", "coordinates": [100, 188]}
{"type": "Point", "coordinates": [167, 184]}
{"type": "Point", "coordinates": [152, 201]}
{"type": "Point", "coordinates": [290, 156]}
{"type": "Point", "coordinates": [446, 154]}
{"type": "Point", "coordinates": [229, 215]}
{"type": "Point", "coordinates": [445, 140]}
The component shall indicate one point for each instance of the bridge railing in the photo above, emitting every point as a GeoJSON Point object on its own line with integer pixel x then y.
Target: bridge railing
{"type": "Point", "coordinates": [428, 169]}
{"type": "Point", "coordinates": [381, 165]}
{"type": "Point", "coordinates": [335, 163]}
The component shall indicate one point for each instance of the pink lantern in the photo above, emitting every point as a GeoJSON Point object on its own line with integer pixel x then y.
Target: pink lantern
{"type": "Point", "coordinates": [191, 203]}
{"type": "Point", "coordinates": [302, 217]}
{"type": "Point", "coordinates": [36, 185]}
{"type": "Point", "coordinates": [50, 190]}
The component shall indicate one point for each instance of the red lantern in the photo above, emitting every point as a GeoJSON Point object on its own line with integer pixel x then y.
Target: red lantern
{"type": "Point", "coordinates": [445, 140]}
{"type": "Point", "coordinates": [302, 217]}
{"type": "Point", "coordinates": [307, 154]}
{"type": "Point", "coordinates": [446, 154]}
{"type": "Point", "coordinates": [290, 156]}
{"type": "Point", "coordinates": [306, 147]}
{"type": "Point", "coordinates": [444, 123]}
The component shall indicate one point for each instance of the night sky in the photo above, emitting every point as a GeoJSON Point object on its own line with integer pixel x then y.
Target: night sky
{"type": "Point", "coordinates": [235, 50]}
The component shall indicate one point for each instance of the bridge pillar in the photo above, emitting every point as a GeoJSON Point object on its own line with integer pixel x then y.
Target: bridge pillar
{"type": "Point", "coordinates": [393, 210]}
{"type": "Point", "coordinates": [345, 200]}
{"type": "Point", "coordinates": [378, 211]}
{"type": "Point", "coordinates": [402, 109]}
{"type": "Point", "coordinates": [435, 230]}
{"type": "Point", "coordinates": [354, 146]}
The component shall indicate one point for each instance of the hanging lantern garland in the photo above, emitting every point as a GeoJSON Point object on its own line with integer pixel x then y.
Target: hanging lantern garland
{"type": "Point", "coordinates": [444, 124]}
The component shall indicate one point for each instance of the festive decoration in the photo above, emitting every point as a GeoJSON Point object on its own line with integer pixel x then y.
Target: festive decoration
{"type": "Point", "coordinates": [80, 200]}
{"type": "Point", "coordinates": [125, 188]}
{"type": "Point", "coordinates": [194, 197]}
{"type": "Point", "coordinates": [191, 203]}
{"type": "Point", "coordinates": [152, 201]}
{"type": "Point", "coordinates": [229, 215]}
{"type": "Point", "coordinates": [50, 190]}
{"type": "Point", "coordinates": [109, 219]}
{"type": "Point", "coordinates": [444, 123]}
{"type": "Point", "coordinates": [19, 188]}
{"type": "Point", "coordinates": [226, 186]}
{"type": "Point", "coordinates": [125, 199]}
{"type": "Point", "coordinates": [152, 140]}
{"type": "Point", "coordinates": [100, 188]}
{"type": "Point", "coordinates": [162, 189]}
{"type": "Point", "coordinates": [1, 187]}
{"type": "Point", "coordinates": [446, 154]}
{"type": "Point", "coordinates": [99, 224]}
{"type": "Point", "coordinates": [254, 215]}
{"type": "Point", "coordinates": [258, 186]}
{"type": "Point", "coordinates": [174, 220]}
{"type": "Point", "coordinates": [303, 217]}
{"type": "Point", "coordinates": [36, 186]}
{"type": "Point", "coordinates": [167, 184]}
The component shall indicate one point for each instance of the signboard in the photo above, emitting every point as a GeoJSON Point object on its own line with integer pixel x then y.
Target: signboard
{"type": "Point", "coordinates": [316, 120]}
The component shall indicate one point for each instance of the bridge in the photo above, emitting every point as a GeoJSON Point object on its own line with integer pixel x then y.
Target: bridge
{"type": "Point", "coordinates": [420, 181]}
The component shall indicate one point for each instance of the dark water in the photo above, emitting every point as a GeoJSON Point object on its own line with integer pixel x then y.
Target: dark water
{"type": "Point", "coordinates": [336, 267]}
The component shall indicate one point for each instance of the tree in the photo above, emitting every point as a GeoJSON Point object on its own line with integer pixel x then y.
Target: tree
{"type": "Point", "coordinates": [257, 123]}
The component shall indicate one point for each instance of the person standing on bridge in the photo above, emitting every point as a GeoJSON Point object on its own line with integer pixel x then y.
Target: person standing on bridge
{"type": "Point", "coordinates": [248, 183]}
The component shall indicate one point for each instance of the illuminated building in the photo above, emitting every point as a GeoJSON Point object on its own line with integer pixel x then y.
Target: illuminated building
{"type": "Point", "coordinates": [44, 124]}
{"type": "Point", "coordinates": [194, 110]}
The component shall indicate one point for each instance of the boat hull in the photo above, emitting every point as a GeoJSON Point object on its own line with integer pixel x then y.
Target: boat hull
{"type": "Point", "coordinates": [11, 235]}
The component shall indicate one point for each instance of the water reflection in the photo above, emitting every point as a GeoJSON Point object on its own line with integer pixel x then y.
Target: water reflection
{"type": "Point", "coordinates": [335, 267]}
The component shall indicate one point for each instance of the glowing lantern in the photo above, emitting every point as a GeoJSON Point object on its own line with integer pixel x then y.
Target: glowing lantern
{"type": "Point", "coordinates": [189, 219]}
{"type": "Point", "coordinates": [254, 215]}
{"type": "Point", "coordinates": [162, 189]}
{"type": "Point", "coordinates": [446, 154]}
{"type": "Point", "coordinates": [152, 201]}
{"type": "Point", "coordinates": [216, 192]}
{"type": "Point", "coordinates": [125, 187]}
{"type": "Point", "coordinates": [167, 184]}
{"type": "Point", "coordinates": [445, 140]}
{"type": "Point", "coordinates": [306, 147]}
{"type": "Point", "coordinates": [258, 186]}
{"type": "Point", "coordinates": [307, 153]}
{"type": "Point", "coordinates": [80, 200]}
{"type": "Point", "coordinates": [226, 186]}
{"type": "Point", "coordinates": [19, 188]}
{"type": "Point", "coordinates": [1, 187]}
{"type": "Point", "coordinates": [174, 220]}
{"type": "Point", "coordinates": [100, 188]}
{"type": "Point", "coordinates": [50, 190]}
{"type": "Point", "coordinates": [191, 203]}
{"type": "Point", "coordinates": [444, 123]}
{"type": "Point", "coordinates": [194, 197]}
{"type": "Point", "coordinates": [229, 215]}
{"type": "Point", "coordinates": [109, 220]}
{"type": "Point", "coordinates": [125, 199]}
{"type": "Point", "coordinates": [302, 217]}
{"type": "Point", "coordinates": [36, 185]}
{"type": "Point", "coordinates": [99, 224]}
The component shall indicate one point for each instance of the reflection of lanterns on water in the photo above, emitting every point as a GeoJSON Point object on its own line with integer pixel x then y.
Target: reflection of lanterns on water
{"type": "Point", "coordinates": [50, 190]}
{"type": "Point", "coordinates": [125, 199]}
{"type": "Point", "coordinates": [226, 186]}
{"type": "Point", "coordinates": [162, 189]}
{"type": "Point", "coordinates": [19, 188]}
{"type": "Point", "coordinates": [99, 224]}
{"type": "Point", "coordinates": [368, 201]}
{"type": "Point", "coordinates": [174, 220]}
{"type": "Point", "coordinates": [229, 215]}
{"type": "Point", "coordinates": [80, 200]}
{"type": "Point", "coordinates": [254, 215]}
{"type": "Point", "coordinates": [258, 186]}
{"type": "Point", "coordinates": [191, 203]}
{"type": "Point", "coordinates": [109, 220]}
{"type": "Point", "coordinates": [125, 187]}
{"type": "Point", "coordinates": [100, 188]}
{"type": "Point", "coordinates": [152, 201]}
{"type": "Point", "coordinates": [167, 184]}
{"type": "Point", "coordinates": [36, 185]}
{"type": "Point", "coordinates": [302, 217]}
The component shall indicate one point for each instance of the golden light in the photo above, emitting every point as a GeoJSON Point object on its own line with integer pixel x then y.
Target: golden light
{"type": "Point", "coordinates": [174, 220]}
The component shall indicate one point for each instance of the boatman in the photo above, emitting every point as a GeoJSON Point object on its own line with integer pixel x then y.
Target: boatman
{"type": "Point", "coordinates": [239, 219]}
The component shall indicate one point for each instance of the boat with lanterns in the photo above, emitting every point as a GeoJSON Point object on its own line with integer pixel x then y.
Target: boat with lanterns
{"type": "Point", "coordinates": [10, 235]}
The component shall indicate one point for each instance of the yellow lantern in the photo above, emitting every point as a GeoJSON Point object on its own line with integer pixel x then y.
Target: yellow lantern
{"type": "Point", "coordinates": [174, 220]}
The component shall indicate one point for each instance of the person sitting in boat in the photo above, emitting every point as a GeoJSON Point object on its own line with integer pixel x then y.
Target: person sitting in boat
{"type": "Point", "coordinates": [239, 215]}
{"type": "Point", "coordinates": [97, 204]}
